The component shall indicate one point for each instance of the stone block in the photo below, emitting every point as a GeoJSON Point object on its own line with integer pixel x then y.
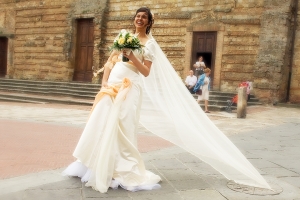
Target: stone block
{"type": "Point", "coordinates": [88, 192]}
{"type": "Point", "coordinates": [66, 194]}
{"type": "Point", "coordinates": [166, 188]}
{"type": "Point", "coordinates": [173, 196]}
{"type": "Point", "coordinates": [178, 174]}
{"type": "Point", "coordinates": [188, 158]}
{"type": "Point", "coordinates": [280, 172]}
{"type": "Point", "coordinates": [2, 19]}
{"type": "Point", "coordinates": [71, 183]}
{"type": "Point", "coordinates": [191, 184]}
{"type": "Point", "coordinates": [202, 194]}
{"type": "Point", "coordinates": [168, 164]}
{"type": "Point", "coordinates": [13, 196]}
{"type": "Point", "coordinates": [292, 180]}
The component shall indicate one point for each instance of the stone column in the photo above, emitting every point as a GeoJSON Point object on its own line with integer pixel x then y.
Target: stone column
{"type": "Point", "coordinates": [242, 102]}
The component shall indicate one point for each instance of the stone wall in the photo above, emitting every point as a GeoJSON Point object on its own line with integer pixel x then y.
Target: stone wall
{"type": "Point", "coordinates": [40, 45]}
{"type": "Point", "coordinates": [7, 29]}
{"type": "Point", "coordinates": [294, 93]}
{"type": "Point", "coordinates": [254, 38]}
{"type": "Point", "coordinates": [273, 61]}
{"type": "Point", "coordinates": [46, 36]}
{"type": "Point", "coordinates": [7, 17]}
{"type": "Point", "coordinates": [238, 32]}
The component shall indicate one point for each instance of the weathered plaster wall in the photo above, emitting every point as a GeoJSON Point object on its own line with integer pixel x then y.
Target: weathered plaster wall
{"type": "Point", "coordinates": [7, 29]}
{"type": "Point", "coordinates": [273, 61]}
{"type": "Point", "coordinates": [46, 37]}
{"type": "Point", "coordinates": [294, 94]}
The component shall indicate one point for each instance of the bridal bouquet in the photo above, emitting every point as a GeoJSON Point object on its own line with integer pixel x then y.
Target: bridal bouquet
{"type": "Point", "coordinates": [127, 41]}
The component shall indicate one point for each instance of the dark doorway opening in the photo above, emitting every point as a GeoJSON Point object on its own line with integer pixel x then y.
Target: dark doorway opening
{"type": "Point", "coordinates": [204, 44]}
{"type": "Point", "coordinates": [3, 56]}
{"type": "Point", "coordinates": [84, 51]}
{"type": "Point", "coordinates": [207, 59]}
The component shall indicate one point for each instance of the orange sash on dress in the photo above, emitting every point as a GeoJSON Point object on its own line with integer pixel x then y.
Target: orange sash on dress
{"type": "Point", "coordinates": [112, 91]}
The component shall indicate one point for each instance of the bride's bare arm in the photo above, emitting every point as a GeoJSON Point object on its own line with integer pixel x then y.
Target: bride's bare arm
{"type": "Point", "coordinates": [144, 68]}
{"type": "Point", "coordinates": [107, 67]}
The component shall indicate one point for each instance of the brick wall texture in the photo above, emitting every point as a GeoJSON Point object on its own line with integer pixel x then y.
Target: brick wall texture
{"type": "Point", "coordinates": [257, 40]}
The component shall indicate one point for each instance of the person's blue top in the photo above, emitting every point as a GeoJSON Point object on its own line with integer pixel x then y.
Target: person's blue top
{"type": "Point", "coordinates": [200, 82]}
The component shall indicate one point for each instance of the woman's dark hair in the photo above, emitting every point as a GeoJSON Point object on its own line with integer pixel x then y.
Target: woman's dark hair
{"type": "Point", "coordinates": [150, 17]}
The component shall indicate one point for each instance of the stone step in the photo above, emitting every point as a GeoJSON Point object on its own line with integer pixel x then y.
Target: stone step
{"type": "Point", "coordinates": [80, 93]}
{"type": "Point", "coordinates": [19, 97]}
{"type": "Point", "coordinates": [229, 94]}
{"type": "Point", "coordinates": [49, 83]}
{"type": "Point", "coordinates": [81, 90]}
{"type": "Point", "coordinates": [30, 98]}
{"type": "Point", "coordinates": [34, 86]}
{"type": "Point", "coordinates": [215, 108]}
{"type": "Point", "coordinates": [12, 99]}
{"type": "Point", "coordinates": [52, 91]}
{"type": "Point", "coordinates": [214, 99]}
{"type": "Point", "coordinates": [225, 98]}
{"type": "Point", "coordinates": [89, 94]}
{"type": "Point", "coordinates": [225, 103]}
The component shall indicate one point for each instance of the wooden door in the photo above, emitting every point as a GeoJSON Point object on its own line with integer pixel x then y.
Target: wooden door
{"type": "Point", "coordinates": [84, 50]}
{"type": "Point", "coordinates": [204, 44]}
{"type": "Point", "coordinates": [3, 56]}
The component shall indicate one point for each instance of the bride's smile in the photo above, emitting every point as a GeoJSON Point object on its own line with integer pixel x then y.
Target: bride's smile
{"type": "Point", "coordinates": [141, 20]}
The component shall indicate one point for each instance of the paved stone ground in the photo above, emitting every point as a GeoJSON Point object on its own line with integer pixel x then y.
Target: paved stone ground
{"type": "Point", "coordinates": [36, 142]}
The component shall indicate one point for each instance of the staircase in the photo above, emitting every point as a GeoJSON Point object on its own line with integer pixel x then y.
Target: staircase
{"type": "Point", "coordinates": [79, 93]}
{"type": "Point", "coordinates": [218, 101]}
{"type": "Point", "coordinates": [47, 92]}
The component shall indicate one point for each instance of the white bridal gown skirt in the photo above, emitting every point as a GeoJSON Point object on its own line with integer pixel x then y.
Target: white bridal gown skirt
{"type": "Point", "coordinates": [107, 150]}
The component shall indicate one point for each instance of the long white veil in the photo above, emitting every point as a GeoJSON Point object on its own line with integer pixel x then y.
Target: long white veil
{"type": "Point", "coordinates": [170, 111]}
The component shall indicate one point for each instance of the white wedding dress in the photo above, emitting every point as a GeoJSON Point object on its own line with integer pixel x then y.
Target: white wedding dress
{"type": "Point", "coordinates": [107, 151]}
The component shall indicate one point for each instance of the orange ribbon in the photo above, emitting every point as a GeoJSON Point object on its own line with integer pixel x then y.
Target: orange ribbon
{"type": "Point", "coordinates": [111, 90]}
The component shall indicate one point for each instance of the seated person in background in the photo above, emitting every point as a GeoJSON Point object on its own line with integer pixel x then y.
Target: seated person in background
{"type": "Point", "coordinates": [190, 81]}
{"type": "Point", "coordinates": [199, 67]}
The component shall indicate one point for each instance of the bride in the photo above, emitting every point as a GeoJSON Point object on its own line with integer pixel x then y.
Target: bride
{"type": "Point", "coordinates": [147, 90]}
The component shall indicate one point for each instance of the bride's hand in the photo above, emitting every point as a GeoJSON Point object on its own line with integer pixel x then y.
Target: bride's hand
{"type": "Point", "coordinates": [130, 56]}
{"type": "Point", "coordinates": [104, 84]}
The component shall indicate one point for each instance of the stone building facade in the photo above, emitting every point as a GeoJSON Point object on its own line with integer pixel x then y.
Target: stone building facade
{"type": "Point", "coordinates": [240, 40]}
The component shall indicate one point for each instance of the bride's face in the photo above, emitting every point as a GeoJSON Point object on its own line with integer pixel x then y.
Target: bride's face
{"type": "Point", "coordinates": [141, 20]}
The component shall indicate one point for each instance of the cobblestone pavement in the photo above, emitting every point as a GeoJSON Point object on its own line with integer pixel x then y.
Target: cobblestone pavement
{"type": "Point", "coordinates": [37, 140]}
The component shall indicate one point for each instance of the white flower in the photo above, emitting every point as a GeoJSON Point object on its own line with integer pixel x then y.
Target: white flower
{"type": "Point", "coordinates": [123, 32]}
